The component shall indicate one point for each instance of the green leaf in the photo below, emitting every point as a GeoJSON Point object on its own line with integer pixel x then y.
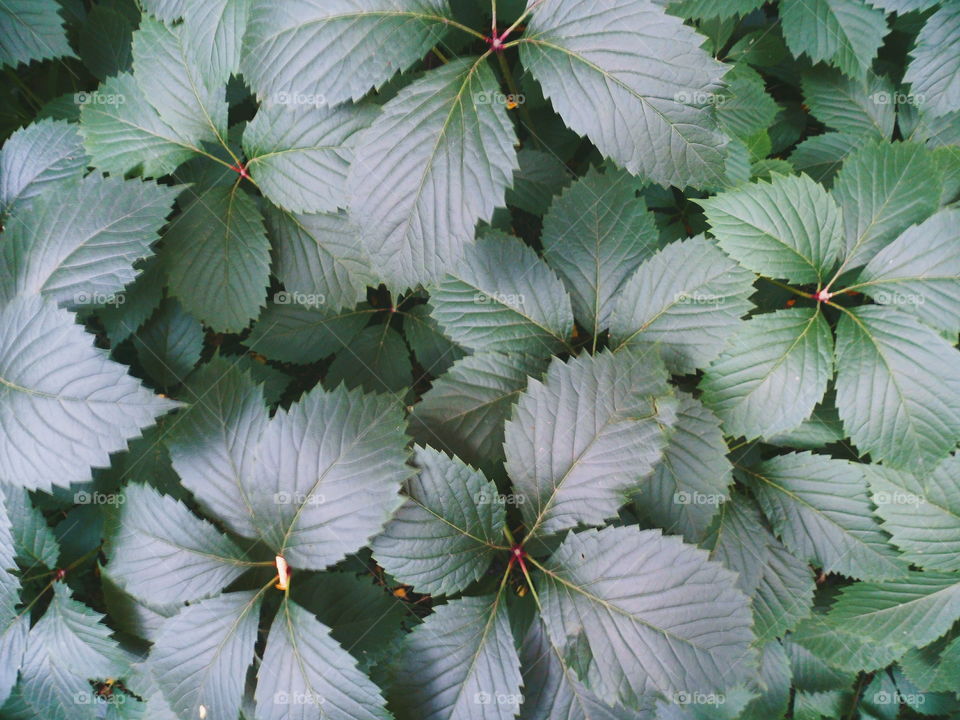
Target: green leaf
{"type": "Point", "coordinates": [13, 643]}
{"type": "Point", "coordinates": [553, 691]}
{"type": "Point", "coordinates": [299, 154]}
{"type": "Point", "coordinates": [713, 8]}
{"type": "Point", "coordinates": [140, 299]}
{"type": "Point", "coordinates": [595, 235]}
{"type": "Point", "coordinates": [820, 509]}
{"type": "Point", "coordinates": [416, 206]}
{"type": "Point", "coordinates": [780, 584]}
{"type": "Point", "coordinates": [376, 360]}
{"type": "Point", "coordinates": [774, 682]}
{"type": "Point", "coordinates": [328, 476]}
{"type": "Point", "coordinates": [169, 345]}
{"type": "Point", "coordinates": [789, 227]}
{"type": "Point", "coordinates": [934, 667]}
{"type": "Point", "coordinates": [821, 156]}
{"type": "Point", "coordinates": [898, 387]}
{"type": "Point", "coordinates": [503, 298]}
{"type": "Point", "coordinates": [162, 553]}
{"type": "Point", "coordinates": [844, 33]}
{"type": "Point", "coordinates": [582, 440]}
{"type": "Point", "coordinates": [921, 515]}
{"type": "Point", "coordinates": [201, 655]}
{"type": "Point", "coordinates": [122, 131]}
{"type": "Point", "coordinates": [66, 648]}
{"type": "Point", "coordinates": [217, 257]}
{"type": "Point", "coordinates": [166, 10]}
{"type": "Point", "coordinates": [212, 443]}
{"type": "Point", "coordinates": [464, 411]}
{"type": "Point", "coordinates": [659, 616]}
{"type": "Point", "coordinates": [300, 51]}
{"type": "Point", "coordinates": [31, 30]}
{"type": "Point", "coordinates": [874, 624]}
{"type": "Point", "coordinates": [188, 101]}
{"type": "Point", "coordinates": [687, 301]}
{"type": "Point", "coordinates": [305, 673]}
{"type": "Point", "coordinates": [64, 405]}
{"type": "Point", "coordinates": [460, 664]}
{"type": "Point", "coordinates": [920, 272]}
{"type": "Point", "coordinates": [213, 33]}
{"type": "Point", "coordinates": [319, 256]}
{"type": "Point", "coordinates": [435, 352]}
{"type": "Point", "coordinates": [444, 536]}
{"type": "Point", "coordinates": [883, 189]}
{"type": "Point", "coordinates": [690, 481]}
{"type": "Point", "coordinates": [745, 108]}
{"type": "Point", "coordinates": [539, 178]}
{"type": "Point", "coordinates": [863, 107]}
{"type": "Point", "coordinates": [36, 157]}
{"type": "Point", "coordinates": [772, 374]}
{"type": "Point", "coordinates": [934, 72]}
{"type": "Point", "coordinates": [78, 245]}
{"type": "Point", "coordinates": [33, 540]}
{"type": "Point", "coordinates": [105, 40]}
{"type": "Point", "coordinates": [647, 69]}
{"type": "Point", "coordinates": [292, 332]}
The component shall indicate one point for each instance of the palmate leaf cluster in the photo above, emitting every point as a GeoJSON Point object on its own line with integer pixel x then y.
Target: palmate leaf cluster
{"type": "Point", "coordinates": [570, 360]}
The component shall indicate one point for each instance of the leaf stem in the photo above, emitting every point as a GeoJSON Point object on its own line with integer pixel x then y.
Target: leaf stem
{"type": "Point", "coordinates": [784, 286]}
{"type": "Point", "coordinates": [515, 91]}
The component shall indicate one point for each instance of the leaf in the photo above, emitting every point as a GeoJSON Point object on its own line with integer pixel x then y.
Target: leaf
{"type": "Point", "coordinates": [540, 176]}
{"type": "Point", "coordinates": [291, 332]}
{"type": "Point", "coordinates": [935, 666]}
{"type": "Point", "coordinates": [780, 585]}
{"type": "Point", "coordinates": [503, 298]}
{"type": "Point", "coordinates": [554, 691]}
{"type": "Point", "coordinates": [865, 627]}
{"type": "Point", "coordinates": [202, 654]}
{"type": "Point", "coordinates": [78, 245]}
{"type": "Point", "coordinates": [460, 664]}
{"type": "Point", "coordinates": [161, 553]}
{"type": "Point", "coordinates": [789, 227]}
{"type": "Point", "coordinates": [140, 299]}
{"type": "Point", "coordinates": [305, 673]}
{"type": "Point", "coordinates": [464, 411]}
{"type": "Point", "coordinates": [33, 540]}
{"type": "Point", "coordinates": [443, 537]}
{"type": "Point", "coordinates": [883, 189]}
{"type": "Point", "coordinates": [772, 374]}
{"type": "Point", "coordinates": [656, 615]}
{"type": "Point", "coordinates": [299, 154]}
{"type": "Point", "coordinates": [595, 235]}
{"type": "Point", "coordinates": [217, 257]}
{"type": "Point", "coordinates": [690, 482]}
{"type": "Point", "coordinates": [188, 101]}
{"type": "Point", "coordinates": [66, 648]}
{"type": "Point", "coordinates": [300, 51]}
{"type": "Point", "coordinates": [13, 644]}
{"type": "Point", "coordinates": [820, 509]}
{"type": "Point", "coordinates": [122, 131]}
{"type": "Point", "coordinates": [105, 39]}
{"type": "Point", "coordinates": [169, 345]}
{"type": "Point", "coordinates": [410, 194]}
{"type": "Point", "coordinates": [844, 33]}
{"type": "Point", "coordinates": [934, 72]}
{"type": "Point", "coordinates": [376, 360]}
{"type": "Point", "coordinates": [651, 73]}
{"type": "Point", "coordinates": [328, 475]}
{"type": "Point", "coordinates": [714, 8]}
{"type": "Point", "coordinates": [863, 107]}
{"type": "Point", "coordinates": [31, 30]}
{"type": "Point", "coordinates": [919, 272]}
{"type": "Point", "coordinates": [64, 405]}
{"type": "Point", "coordinates": [745, 108]}
{"type": "Point", "coordinates": [435, 352]}
{"type": "Point", "coordinates": [821, 156]}
{"type": "Point", "coordinates": [898, 387]}
{"type": "Point", "coordinates": [36, 157]}
{"type": "Point", "coordinates": [581, 441]}
{"type": "Point", "coordinates": [213, 442]}
{"type": "Point", "coordinates": [213, 35]}
{"type": "Point", "coordinates": [686, 300]}
{"type": "Point", "coordinates": [319, 256]}
{"type": "Point", "coordinates": [921, 515]}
